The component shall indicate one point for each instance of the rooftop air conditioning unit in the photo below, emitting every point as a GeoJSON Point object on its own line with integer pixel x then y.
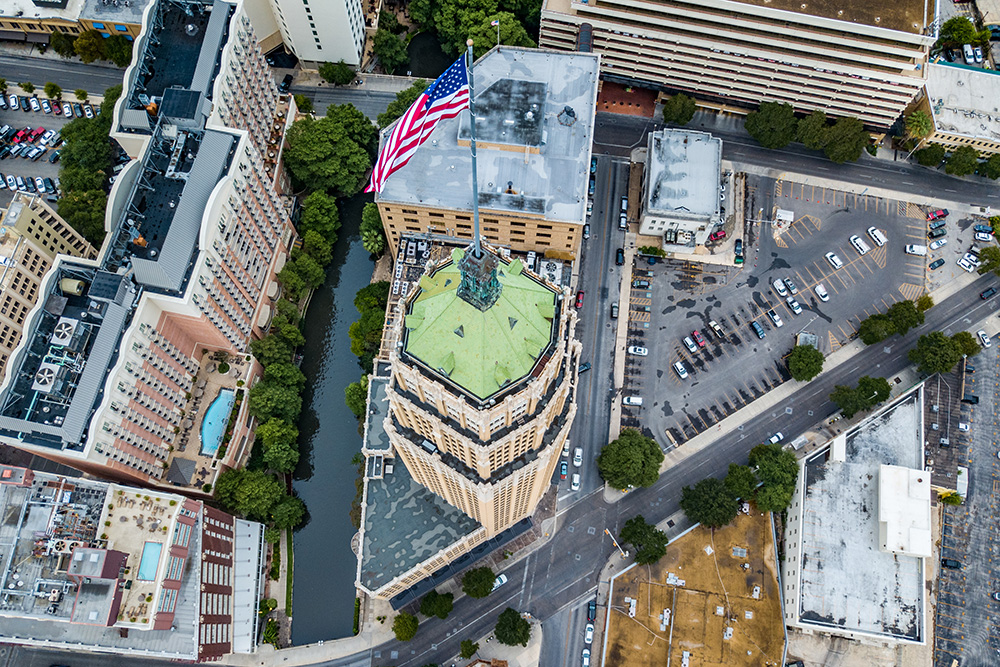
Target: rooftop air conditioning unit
{"type": "Point", "coordinates": [62, 335]}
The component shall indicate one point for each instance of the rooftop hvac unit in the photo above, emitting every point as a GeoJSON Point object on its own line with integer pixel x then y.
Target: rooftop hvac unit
{"type": "Point", "coordinates": [63, 333]}
{"type": "Point", "coordinates": [47, 378]}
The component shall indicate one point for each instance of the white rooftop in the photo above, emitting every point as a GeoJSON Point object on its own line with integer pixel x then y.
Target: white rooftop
{"type": "Point", "coordinates": [683, 172]}
{"type": "Point", "coordinates": [904, 511]}
{"type": "Point", "coordinates": [847, 582]}
{"type": "Point", "coordinates": [535, 126]}
{"type": "Point", "coordinates": [964, 101]}
{"type": "Point", "coordinates": [28, 9]}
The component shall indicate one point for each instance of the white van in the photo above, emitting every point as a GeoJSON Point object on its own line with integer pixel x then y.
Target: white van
{"type": "Point", "coordinates": [916, 250]}
{"type": "Point", "coordinates": [632, 400]}
{"type": "Point", "coordinates": [970, 57]}
{"type": "Point", "coordinates": [834, 260]}
{"type": "Point", "coordinates": [859, 245]}
{"type": "Point", "coordinates": [877, 236]}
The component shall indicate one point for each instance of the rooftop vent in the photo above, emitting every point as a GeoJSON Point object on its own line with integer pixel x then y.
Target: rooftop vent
{"type": "Point", "coordinates": [567, 116]}
{"type": "Point", "coordinates": [46, 378]}
{"type": "Point", "coordinates": [63, 333]}
{"type": "Point", "coordinates": [191, 30]}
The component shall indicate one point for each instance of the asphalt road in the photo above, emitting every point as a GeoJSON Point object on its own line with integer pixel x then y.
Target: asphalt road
{"type": "Point", "coordinates": [370, 102]}
{"type": "Point", "coordinates": [68, 74]}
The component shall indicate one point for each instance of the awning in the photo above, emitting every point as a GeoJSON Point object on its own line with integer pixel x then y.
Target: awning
{"type": "Point", "coordinates": [264, 318]}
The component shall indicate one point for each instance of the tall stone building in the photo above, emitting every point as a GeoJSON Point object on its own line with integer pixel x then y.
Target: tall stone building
{"type": "Point", "coordinates": [480, 400]}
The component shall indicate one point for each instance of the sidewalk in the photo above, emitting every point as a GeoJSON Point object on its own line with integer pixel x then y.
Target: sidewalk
{"type": "Point", "coordinates": [369, 82]}
{"type": "Point", "coordinates": [25, 50]}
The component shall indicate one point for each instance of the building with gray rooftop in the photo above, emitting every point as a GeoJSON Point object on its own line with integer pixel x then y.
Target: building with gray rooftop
{"type": "Point", "coordinates": [113, 569]}
{"type": "Point", "coordinates": [964, 104]}
{"type": "Point", "coordinates": [534, 129]}
{"type": "Point", "coordinates": [852, 537]}
{"type": "Point", "coordinates": [682, 187]}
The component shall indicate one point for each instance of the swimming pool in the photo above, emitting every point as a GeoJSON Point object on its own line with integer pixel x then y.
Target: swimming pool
{"type": "Point", "coordinates": [213, 426]}
{"type": "Point", "coordinates": [150, 561]}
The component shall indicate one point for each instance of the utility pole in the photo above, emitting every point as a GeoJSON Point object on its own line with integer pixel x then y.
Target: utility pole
{"type": "Point", "coordinates": [615, 542]}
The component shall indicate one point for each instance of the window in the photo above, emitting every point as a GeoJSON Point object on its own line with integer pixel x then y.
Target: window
{"type": "Point", "coordinates": [168, 601]}
{"type": "Point", "coordinates": [98, 26]}
{"type": "Point", "coordinates": [120, 28]}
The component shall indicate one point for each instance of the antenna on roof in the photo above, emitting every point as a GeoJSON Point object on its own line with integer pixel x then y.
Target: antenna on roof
{"type": "Point", "coordinates": [477, 249]}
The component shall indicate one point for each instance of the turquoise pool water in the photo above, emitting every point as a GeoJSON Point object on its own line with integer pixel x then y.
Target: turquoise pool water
{"type": "Point", "coordinates": [150, 561]}
{"type": "Point", "coordinates": [213, 426]}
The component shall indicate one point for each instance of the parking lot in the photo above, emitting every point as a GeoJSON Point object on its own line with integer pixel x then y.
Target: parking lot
{"type": "Point", "coordinates": [18, 166]}
{"type": "Point", "coordinates": [966, 615]}
{"type": "Point", "coordinates": [728, 372]}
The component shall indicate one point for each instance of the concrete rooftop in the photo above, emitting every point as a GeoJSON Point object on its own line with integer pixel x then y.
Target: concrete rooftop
{"type": "Point", "coordinates": [964, 101]}
{"type": "Point", "coordinates": [904, 15]}
{"type": "Point", "coordinates": [683, 175]}
{"type": "Point", "coordinates": [543, 151]}
{"type": "Point", "coordinates": [847, 582]}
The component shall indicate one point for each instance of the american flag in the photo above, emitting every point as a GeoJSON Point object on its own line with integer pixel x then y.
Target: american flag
{"type": "Point", "coordinates": [443, 99]}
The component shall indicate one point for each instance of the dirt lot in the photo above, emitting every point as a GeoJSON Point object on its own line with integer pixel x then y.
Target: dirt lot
{"type": "Point", "coordinates": [721, 595]}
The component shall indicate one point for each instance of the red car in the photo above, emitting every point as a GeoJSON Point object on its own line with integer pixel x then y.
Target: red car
{"type": "Point", "coordinates": [698, 338]}
{"type": "Point", "coordinates": [37, 132]}
{"type": "Point", "coordinates": [579, 299]}
{"type": "Point", "coordinates": [20, 136]}
{"type": "Point", "coordinates": [937, 215]}
{"type": "Point", "coordinates": [715, 236]}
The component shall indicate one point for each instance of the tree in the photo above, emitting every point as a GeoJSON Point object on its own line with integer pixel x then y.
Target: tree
{"type": "Point", "coordinates": [919, 125]}
{"type": "Point", "coordinates": [709, 503]}
{"type": "Point", "coordinates": [332, 153]}
{"type": "Point", "coordinates": [373, 241]}
{"type": "Point", "coordinates": [226, 485]}
{"type": "Point", "coordinates": [62, 44]}
{"type": "Point", "coordinates": [372, 235]}
{"type": "Point", "coordinates": [468, 649]}
{"type": "Point", "coordinates": [79, 179]}
{"type": "Point", "coordinates": [478, 582]}
{"type": "Point", "coordinates": [773, 124]}
{"type": "Point", "coordinates": [458, 20]}
{"type": "Point", "coordinates": [366, 332]}
{"type": "Point", "coordinates": [876, 328]}
{"type": "Point", "coordinates": [935, 353]}
{"type": "Point", "coordinates": [84, 211]}
{"type": "Point", "coordinates": [303, 103]}
{"type": "Point", "coordinates": [740, 481]}
{"type": "Point", "coordinates": [405, 626]}
{"type": "Point", "coordinates": [649, 542]}
{"type": "Point", "coordinates": [320, 214]}
{"type": "Point", "coordinates": [631, 460]}
{"type": "Point", "coordinates": [89, 45]}
{"type": "Point", "coordinates": [991, 167]}
{"type": "Point", "coordinates": [778, 471]}
{"type": "Point", "coordinates": [3, 85]}
{"type": "Point", "coordinates": [990, 260]}
{"type": "Point", "coordinates": [846, 139]}
{"type": "Point", "coordinates": [356, 396]}
{"type": "Point", "coordinates": [270, 349]}
{"type": "Point", "coordinates": [805, 362]}
{"type": "Point", "coordinates": [256, 493]}
{"type": "Point", "coordinates": [873, 391]}
{"type": "Point", "coordinates": [930, 156]}
{"type": "Point", "coordinates": [309, 269]}
{"type": "Point", "coordinates": [511, 629]}
{"type": "Point", "coordinates": [276, 432]}
{"type": "Point", "coordinates": [964, 161]}
{"type": "Point", "coordinates": [338, 73]}
{"type": "Point", "coordinates": [291, 281]}
{"type": "Point", "coordinates": [925, 302]}
{"type": "Point", "coordinates": [269, 399]}
{"type": "Point", "coordinates": [966, 343]}
{"type": "Point", "coordinates": [81, 94]}
{"type": "Point", "coordinates": [960, 30]}
{"type": "Point", "coordinates": [905, 316]}
{"type": "Point", "coordinates": [118, 50]}
{"type": "Point", "coordinates": [285, 373]}
{"type": "Point", "coordinates": [317, 247]}
{"type": "Point", "coordinates": [813, 130]}
{"type": "Point", "coordinates": [846, 398]}
{"type": "Point", "coordinates": [950, 497]}
{"type": "Point", "coordinates": [679, 109]}
{"type": "Point", "coordinates": [52, 90]}
{"type": "Point", "coordinates": [27, 87]}
{"type": "Point", "coordinates": [404, 99]}
{"type": "Point", "coordinates": [422, 13]}
{"type": "Point", "coordinates": [388, 21]}
{"type": "Point", "coordinates": [288, 512]}
{"type": "Point", "coordinates": [437, 604]}
{"type": "Point", "coordinates": [390, 50]}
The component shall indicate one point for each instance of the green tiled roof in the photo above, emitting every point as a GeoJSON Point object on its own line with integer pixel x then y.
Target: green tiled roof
{"type": "Point", "coordinates": [480, 351]}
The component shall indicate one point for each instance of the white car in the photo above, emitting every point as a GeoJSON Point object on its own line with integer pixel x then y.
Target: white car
{"type": "Point", "coordinates": [589, 634]}
{"type": "Point", "coordinates": [776, 438]}
{"type": "Point", "coordinates": [565, 451]}
{"type": "Point", "coordinates": [967, 265]}
{"type": "Point", "coordinates": [877, 236]}
{"type": "Point", "coordinates": [578, 457]}
{"type": "Point", "coordinates": [984, 237]}
{"type": "Point", "coordinates": [940, 243]}
{"type": "Point", "coordinates": [792, 289]}
{"type": "Point", "coordinates": [67, 109]}
{"type": "Point", "coordinates": [11, 182]}
{"type": "Point", "coordinates": [689, 344]}
{"type": "Point", "coordinates": [681, 370]}
{"type": "Point", "coordinates": [499, 581]}
{"type": "Point", "coordinates": [779, 287]}
{"type": "Point", "coordinates": [775, 318]}
{"type": "Point", "coordinates": [46, 107]}
{"type": "Point", "coordinates": [972, 259]}
{"type": "Point", "coordinates": [834, 260]}
{"type": "Point", "coordinates": [40, 184]}
{"type": "Point", "coordinates": [983, 338]}
{"type": "Point", "coordinates": [586, 657]}
{"type": "Point", "coordinates": [794, 305]}
{"type": "Point", "coordinates": [821, 292]}
{"type": "Point", "coordinates": [47, 137]}
{"type": "Point", "coordinates": [575, 484]}
{"type": "Point", "coordinates": [859, 245]}
{"type": "Point", "coordinates": [637, 350]}
{"type": "Point", "coordinates": [632, 400]}
{"type": "Point", "coordinates": [35, 106]}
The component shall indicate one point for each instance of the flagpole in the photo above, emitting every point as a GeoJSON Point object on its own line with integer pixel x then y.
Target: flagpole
{"type": "Point", "coordinates": [477, 248]}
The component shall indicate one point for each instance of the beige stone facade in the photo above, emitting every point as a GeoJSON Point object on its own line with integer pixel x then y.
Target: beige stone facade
{"type": "Point", "coordinates": [850, 59]}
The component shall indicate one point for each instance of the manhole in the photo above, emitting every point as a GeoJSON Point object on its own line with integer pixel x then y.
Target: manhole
{"type": "Point", "coordinates": [577, 557]}
{"type": "Point", "coordinates": [670, 524]}
{"type": "Point", "coordinates": [570, 529]}
{"type": "Point", "coordinates": [788, 411]}
{"type": "Point", "coordinates": [810, 413]}
{"type": "Point", "coordinates": [591, 531]}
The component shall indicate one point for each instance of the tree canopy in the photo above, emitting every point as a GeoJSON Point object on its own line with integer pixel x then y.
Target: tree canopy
{"type": "Point", "coordinates": [405, 626]}
{"type": "Point", "coordinates": [478, 582]}
{"type": "Point", "coordinates": [273, 400]}
{"type": "Point", "coordinates": [964, 161]}
{"type": "Point", "coordinates": [649, 542]}
{"type": "Point", "coordinates": [468, 648]}
{"type": "Point", "coordinates": [740, 481]}
{"type": "Point", "coordinates": [511, 629]}
{"type": "Point", "coordinates": [631, 460]}
{"type": "Point", "coordinates": [990, 259]}
{"type": "Point", "coordinates": [991, 167]}
{"type": "Point", "coordinates": [773, 124]}
{"type": "Point", "coordinates": [356, 396]}
{"type": "Point", "coordinates": [930, 156]}
{"type": "Point", "coordinates": [249, 493]}
{"type": "Point", "coordinates": [935, 353]}
{"type": "Point", "coordinates": [372, 234]}
{"type": "Point", "coordinates": [709, 503]}
{"type": "Point", "coordinates": [805, 362]}
{"type": "Point", "coordinates": [389, 49]}
{"type": "Point", "coordinates": [332, 153]}
{"type": "Point", "coordinates": [437, 604]}
{"type": "Point", "coordinates": [366, 332]}
{"type": "Point", "coordinates": [845, 140]}
{"type": "Point", "coordinates": [919, 124]}
{"type": "Point", "coordinates": [967, 344]}
{"type": "Point", "coordinates": [869, 393]}
{"type": "Point", "coordinates": [777, 469]}
{"type": "Point", "coordinates": [339, 73]}
{"type": "Point", "coordinates": [813, 131]}
{"type": "Point", "coordinates": [679, 109]}
{"type": "Point", "coordinates": [960, 30]}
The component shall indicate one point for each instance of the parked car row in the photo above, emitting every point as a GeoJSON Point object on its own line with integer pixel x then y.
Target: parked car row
{"type": "Point", "coordinates": [27, 184]}
{"type": "Point", "coordinates": [57, 107]}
